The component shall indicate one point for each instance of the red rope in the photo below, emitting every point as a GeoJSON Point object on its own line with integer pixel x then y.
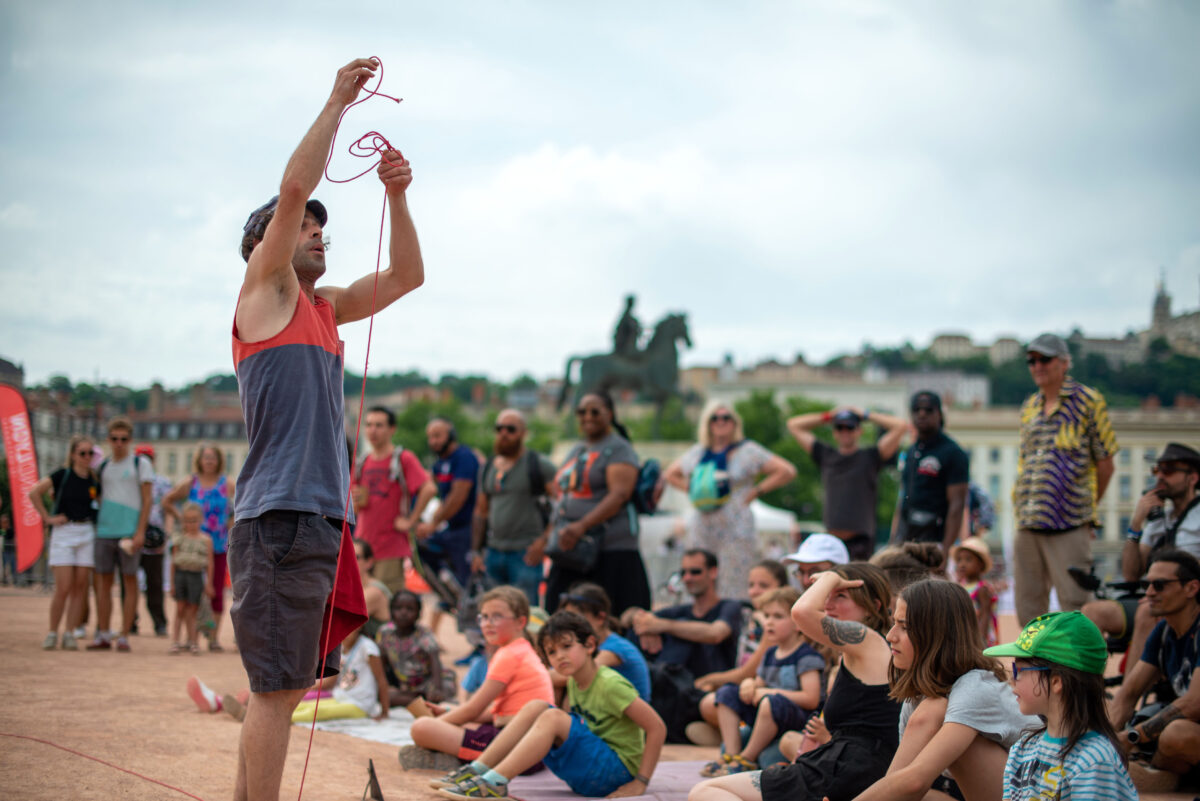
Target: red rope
{"type": "Point", "coordinates": [367, 145]}
{"type": "Point", "coordinates": [101, 761]}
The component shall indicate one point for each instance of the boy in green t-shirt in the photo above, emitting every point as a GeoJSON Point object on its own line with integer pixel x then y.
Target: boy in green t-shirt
{"type": "Point", "coordinates": [607, 746]}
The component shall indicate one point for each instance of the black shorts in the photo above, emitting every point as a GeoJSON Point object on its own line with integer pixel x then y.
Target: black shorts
{"type": "Point", "coordinates": [841, 768]}
{"type": "Point", "coordinates": [189, 586]}
{"type": "Point", "coordinates": [282, 566]}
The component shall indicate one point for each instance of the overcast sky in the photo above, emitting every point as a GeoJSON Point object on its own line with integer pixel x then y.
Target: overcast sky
{"type": "Point", "coordinates": [796, 176]}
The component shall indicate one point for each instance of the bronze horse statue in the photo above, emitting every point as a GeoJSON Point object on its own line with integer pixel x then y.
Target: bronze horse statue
{"type": "Point", "coordinates": [653, 371]}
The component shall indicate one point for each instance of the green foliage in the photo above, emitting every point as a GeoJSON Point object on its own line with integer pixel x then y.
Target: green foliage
{"type": "Point", "coordinates": [675, 425]}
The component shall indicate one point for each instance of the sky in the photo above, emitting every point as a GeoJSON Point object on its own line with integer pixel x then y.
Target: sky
{"type": "Point", "coordinates": [798, 177]}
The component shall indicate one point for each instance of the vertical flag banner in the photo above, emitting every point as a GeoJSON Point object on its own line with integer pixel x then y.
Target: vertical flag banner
{"type": "Point", "coordinates": [22, 473]}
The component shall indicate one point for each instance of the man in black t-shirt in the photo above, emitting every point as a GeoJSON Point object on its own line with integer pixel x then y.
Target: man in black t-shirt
{"type": "Point", "coordinates": [702, 636]}
{"type": "Point", "coordinates": [849, 474]}
{"type": "Point", "coordinates": [934, 481]}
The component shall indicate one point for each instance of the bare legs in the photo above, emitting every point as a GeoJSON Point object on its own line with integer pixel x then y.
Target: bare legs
{"type": "Point", "coordinates": [104, 585]}
{"type": "Point", "coordinates": [70, 594]}
{"type": "Point", "coordinates": [263, 745]}
{"type": "Point", "coordinates": [527, 739]}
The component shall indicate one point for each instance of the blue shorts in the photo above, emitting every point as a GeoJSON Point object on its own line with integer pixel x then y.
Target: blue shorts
{"type": "Point", "coordinates": [787, 715]}
{"type": "Point", "coordinates": [586, 763]}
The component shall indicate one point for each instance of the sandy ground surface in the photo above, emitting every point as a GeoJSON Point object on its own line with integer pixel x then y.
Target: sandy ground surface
{"type": "Point", "coordinates": [131, 710]}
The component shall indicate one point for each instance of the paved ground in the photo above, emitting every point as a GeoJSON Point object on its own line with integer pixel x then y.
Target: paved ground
{"type": "Point", "coordinates": [131, 710]}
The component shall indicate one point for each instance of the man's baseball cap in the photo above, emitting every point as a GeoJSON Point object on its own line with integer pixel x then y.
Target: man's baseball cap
{"type": "Point", "coordinates": [820, 548]}
{"type": "Point", "coordinates": [1175, 452]}
{"type": "Point", "coordinates": [1049, 345]}
{"type": "Point", "coordinates": [847, 418]}
{"type": "Point", "coordinates": [256, 217]}
{"type": "Point", "coordinates": [1064, 638]}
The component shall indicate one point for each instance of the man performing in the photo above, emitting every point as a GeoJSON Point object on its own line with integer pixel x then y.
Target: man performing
{"type": "Point", "coordinates": [291, 493]}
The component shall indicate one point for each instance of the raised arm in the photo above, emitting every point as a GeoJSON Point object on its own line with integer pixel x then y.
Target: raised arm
{"type": "Point", "coordinates": [801, 427]}
{"type": "Point", "coordinates": [405, 271]}
{"type": "Point", "coordinates": [270, 284]}
{"type": "Point", "coordinates": [893, 427]}
{"type": "Point", "coordinates": [864, 649]}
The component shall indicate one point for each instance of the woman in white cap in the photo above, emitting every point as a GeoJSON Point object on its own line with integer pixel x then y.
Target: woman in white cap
{"type": "Point", "coordinates": [720, 474]}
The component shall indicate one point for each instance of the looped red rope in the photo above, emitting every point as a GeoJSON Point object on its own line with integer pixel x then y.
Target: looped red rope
{"type": "Point", "coordinates": [378, 142]}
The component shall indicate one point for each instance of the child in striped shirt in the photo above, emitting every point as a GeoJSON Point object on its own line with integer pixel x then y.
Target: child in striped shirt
{"type": "Point", "coordinates": [1058, 673]}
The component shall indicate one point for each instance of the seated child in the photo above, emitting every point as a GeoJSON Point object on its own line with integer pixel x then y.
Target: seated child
{"type": "Point", "coordinates": [781, 697]}
{"type": "Point", "coordinates": [410, 655]}
{"type": "Point", "coordinates": [608, 744]}
{"type": "Point", "coordinates": [360, 690]}
{"type": "Point", "coordinates": [590, 601]}
{"type": "Point", "coordinates": [1058, 674]}
{"type": "Point", "coordinates": [515, 677]}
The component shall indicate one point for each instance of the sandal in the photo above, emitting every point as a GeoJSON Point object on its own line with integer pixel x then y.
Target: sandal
{"type": "Point", "coordinates": [739, 764]}
{"type": "Point", "coordinates": [176, 649]}
{"type": "Point", "coordinates": [195, 649]}
{"type": "Point", "coordinates": [215, 647]}
{"type": "Point", "coordinates": [715, 768]}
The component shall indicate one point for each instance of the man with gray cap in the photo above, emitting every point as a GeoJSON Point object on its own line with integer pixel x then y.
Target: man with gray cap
{"type": "Point", "coordinates": [1152, 529]}
{"type": "Point", "coordinates": [293, 486]}
{"type": "Point", "coordinates": [1065, 463]}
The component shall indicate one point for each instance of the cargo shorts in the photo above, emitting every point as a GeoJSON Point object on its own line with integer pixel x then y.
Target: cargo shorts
{"type": "Point", "coordinates": [282, 566]}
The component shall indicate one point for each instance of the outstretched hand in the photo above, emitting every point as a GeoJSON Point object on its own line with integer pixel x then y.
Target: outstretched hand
{"type": "Point", "coordinates": [394, 171]}
{"type": "Point", "coordinates": [351, 79]}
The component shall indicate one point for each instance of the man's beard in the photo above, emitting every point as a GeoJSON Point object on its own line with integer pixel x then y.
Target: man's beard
{"type": "Point", "coordinates": [507, 447]}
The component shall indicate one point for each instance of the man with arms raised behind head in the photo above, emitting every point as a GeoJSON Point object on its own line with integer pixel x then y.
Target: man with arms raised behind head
{"type": "Point", "coordinates": [291, 492]}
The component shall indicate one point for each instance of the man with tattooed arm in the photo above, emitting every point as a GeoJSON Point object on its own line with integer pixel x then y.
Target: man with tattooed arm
{"type": "Point", "coordinates": [1171, 738]}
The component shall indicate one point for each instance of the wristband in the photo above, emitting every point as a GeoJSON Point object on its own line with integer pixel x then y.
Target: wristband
{"type": "Point", "coordinates": [1133, 536]}
{"type": "Point", "coordinates": [642, 779]}
{"type": "Point", "coordinates": [826, 417]}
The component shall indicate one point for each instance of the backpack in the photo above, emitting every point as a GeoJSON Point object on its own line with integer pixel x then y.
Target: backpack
{"type": "Point", "coordinates": [709, 486]}
{"type": "Point", "coordinates": [395, 473]}
{"type": "Point", "coordinates": [649, 475]}
{"type": "Point", "coordinates": [675, 697]}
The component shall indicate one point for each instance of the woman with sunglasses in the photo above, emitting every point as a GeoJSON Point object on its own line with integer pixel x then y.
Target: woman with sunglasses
{"type": "Point", "coordinates": [597, 480]}
{"type": "Point", "coordinates": [72, 517]}
{"type": "Point", "coordinates": [721, 473]}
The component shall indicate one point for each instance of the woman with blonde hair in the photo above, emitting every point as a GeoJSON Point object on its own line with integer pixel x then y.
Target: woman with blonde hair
{"type": "Point", "coordinates": [209, 488]}
{"type": "Point", "coordinates": [72, 517]}
{"type": "Point", "coordinates": [721, 473]}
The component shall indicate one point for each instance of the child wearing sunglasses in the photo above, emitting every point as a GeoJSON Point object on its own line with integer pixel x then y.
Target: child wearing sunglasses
{"type": "Point", "coordinates": [1058, 674]}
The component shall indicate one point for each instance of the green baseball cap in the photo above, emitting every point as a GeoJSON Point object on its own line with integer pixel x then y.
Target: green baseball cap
{"type": "Point", "coordinates": [1065, 638]}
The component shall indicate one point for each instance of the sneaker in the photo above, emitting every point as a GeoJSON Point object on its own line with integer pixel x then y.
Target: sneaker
{"type": "Point", "coordinates": [160, 631]}
{"type": "Point", "coordinates": [234, 707]}
{"type": "Point", "coordinates": [51, 641]}
{"type": "Point", "coordinates": [702, 733]}
{"type": "Point", "coordinates": [456, 776]}
{"type": "Point", "coordinates": [123, 645]}
{"type": "Point", "coordinates": [475, 787]}
{"type": "Point", "coordinates": [205, 699]}
{"type": "Point", "coordinates": [68, 642]}
{"type": "Point", "coordinates": [80, 633]}
{"type": "Point", "coordinates": [414, 757]}
{"type": "Point", "coordinates": [101, 643]}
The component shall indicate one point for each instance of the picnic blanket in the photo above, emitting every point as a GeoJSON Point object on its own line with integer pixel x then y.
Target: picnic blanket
{"type": "Point", "coordinates": [395, 730]}
{"type": "Point", "coordinates": [671, 782]}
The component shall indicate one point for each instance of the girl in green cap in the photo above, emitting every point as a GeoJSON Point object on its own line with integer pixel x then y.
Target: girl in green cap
{"type": "Point", "coordinates": [1058, 674]}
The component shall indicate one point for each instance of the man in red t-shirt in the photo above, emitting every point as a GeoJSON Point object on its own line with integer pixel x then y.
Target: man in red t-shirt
{"type": "Point", "coordinates": [391, 490]}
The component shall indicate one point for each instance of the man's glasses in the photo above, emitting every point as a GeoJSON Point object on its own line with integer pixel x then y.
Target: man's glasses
{"type": "Point", "coordinates": [590, 411]}
{"type": "Point", "coordinates": [721, 418]}
{"type": "Point", "coordinates": [845, 428]}
{"type": "Point", "coordinates": [1017, 670]}
{"type": "Point", "coordinates": [505, 429]}
{"type": "Point", "coordinates": [487, 619]}
{"type": "Point", "coordinates": [923, 410]}
{"type": "Point", "coordinates": [1158, 584]}
{"type": "Point", "coordinates": [111, 438]}
{"type": "Point", "coordinates": [693, 571]}
{"type": "Point", "coordinates": [1032, 360]}
{"type": "Point", "coordinates": [1166, 469]}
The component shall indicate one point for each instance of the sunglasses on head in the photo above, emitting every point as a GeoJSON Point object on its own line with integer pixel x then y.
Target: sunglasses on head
{"type": "Point", "coordinates": [1158, 584]}
{"type": "Point", "coordinates": [505, 428]}
{"type": "Point", "coordinates": [587, 411]}
{"type": "Point", "coordinates": [721, 418]}
{"type": "Point", "coordinates": [1038, 359]}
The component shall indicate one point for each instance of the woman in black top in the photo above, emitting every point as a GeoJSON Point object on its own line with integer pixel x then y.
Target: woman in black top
{"type": "Point", "coordinates": [845, 609]}
{"type": "Point", "coordinates": [75, 491]}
